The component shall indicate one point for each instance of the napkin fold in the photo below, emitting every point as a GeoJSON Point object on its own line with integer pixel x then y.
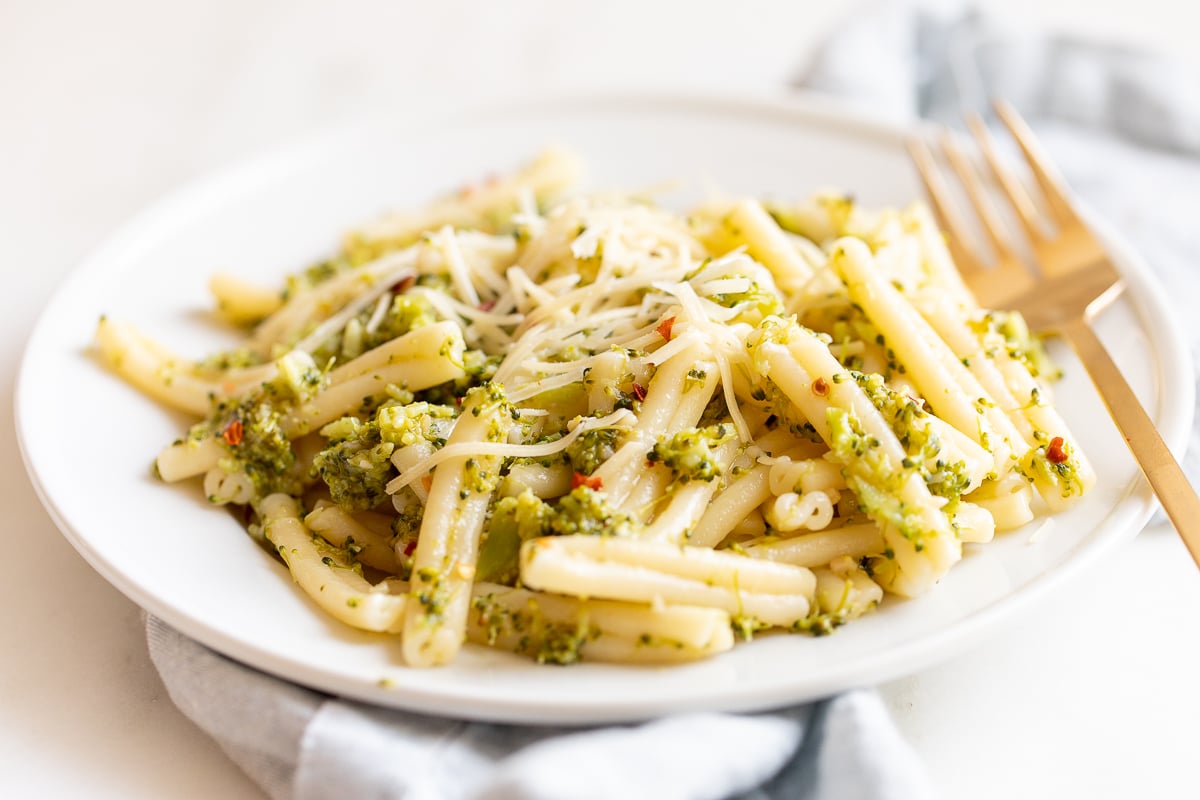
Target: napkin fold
{"type": "Point", "coordinates": [1124, 126]}
{"type": "Point", "coordinates": [299, 744]}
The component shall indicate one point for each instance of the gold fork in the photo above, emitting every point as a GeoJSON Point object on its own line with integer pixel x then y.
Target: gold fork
{"type": "Point", "coordinates": [1075, 280]}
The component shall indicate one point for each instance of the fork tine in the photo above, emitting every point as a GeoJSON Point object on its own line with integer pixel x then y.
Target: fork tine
{"type": "Point", "coordinates": [1048, 179]}
{"type": "Point", "coordinates": [939, 193]}
{"type": "Point", "coordinates": [978, 195]}
{"type": "Point", "coordinates": [1009, 183]}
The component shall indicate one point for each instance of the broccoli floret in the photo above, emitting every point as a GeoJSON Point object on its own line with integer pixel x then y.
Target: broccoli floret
{"type": "Point", "coordinates": [299, 377]}
{"type": "Point", "coordinates": [265, 453]}
{"type": "Point", "coordinates": [523, 517]}
{"type": "Point", "coordinates": [716, 412]}
{"type": "Point", "coordinates": [251, 431]}
{"type": "Point", "coordinates": [430, 590]}
{"type": "Point", "coordinates": [1024, 344]}
{"type": "Point", "coordinates": [406, 525]}
{"type": "Point", "coordinates": [689, 453]}
{"type": "Point", "coordinates": [593, 448]}
{"type": "Point", "coordinates": [695, 378]}
{"type": "Point", "coordinates": [779, 331]}
{"type": "Point", "coordinates": [404, 425]}
{"type": "Point", "coordinates": [848, 325]}
{"type": "Point", "coordinates": [869, 477]}
{"type": "Point", "coordinates": [752, 305]}
{"type": "Point", "coordinates": [1019, 341]}
{"type": "Point", "coordinates": [922, 446]}
{"type": "Point", "coordinates": [1051, 462]}
{"type": "Point", "coordinates": [338, 557]}
{"type": "Point", "coordinates": [357, 468]}
{"type": "Point", "coordinates": [586, 511]}
{"type": "Point", "coordinates": [745, 626]}
{"type": "Point", "coordinates": [562, 643]}
{"type": "Point", "coordinates": [342, 429]}
{"type": "Point", "coordinates": [514, 520]}
{"type": "Point", "coordinates": [819, 623]}
{"type": "Point", "coordinates": [547, 641]}
{"type": "Point", "coordinates": [251, 427]}
{"type": "Point", "coordinates": [407, 313]}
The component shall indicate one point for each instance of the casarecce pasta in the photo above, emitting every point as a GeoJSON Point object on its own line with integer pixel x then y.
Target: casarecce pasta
{"type": "Point", "coordinates": [586, 427]}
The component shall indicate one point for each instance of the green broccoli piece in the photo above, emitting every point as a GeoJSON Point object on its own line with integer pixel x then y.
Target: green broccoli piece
{"type": "Point", "coordinates": [407, 313]}
{"type": "Point", "coordinates": [299, 377]}
{"type": "Point", "coordinates": [753, 305]}
{"type": "Point", "coordinates": [586, 511]}
{"type": "Point", "coordinates": [547, 641]}
{"type": "Point", "coordinates": [1052, 463]}
{"type": "Point", "coordinates": [251, 431]}
{"type": "Point", "coordinates": [867, 474]}
{"type": "Point", "coordinates": [356, 468]}
{"type": "Point", "coordinates": [922, 446]}
{"type": "Point", "coordinates": [514, 520]}
{"type": "Point", "coordinates": [1021, 343]}
{"type": "Point", "coordinates": [593, 448]}
{"type": "Point", "coordinates": [404, 425]}
{"type": "Point", "coordinates": [689, 453]}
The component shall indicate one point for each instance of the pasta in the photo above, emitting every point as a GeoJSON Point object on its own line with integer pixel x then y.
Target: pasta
{"type": "Point", "coordinates": [585, 427]}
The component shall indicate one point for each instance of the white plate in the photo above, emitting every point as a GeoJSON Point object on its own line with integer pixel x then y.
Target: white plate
{"type": "Point", "coordinates": [88, 439]}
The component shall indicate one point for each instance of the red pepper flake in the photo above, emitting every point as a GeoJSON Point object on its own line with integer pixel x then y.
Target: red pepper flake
{"type": "Point", "coordinates": [427, 481]}
{"type": "Point", "coordinates": [639, 392]}
{"type": "Point", "coordinates": [1055, 453]}
{"type": "Point", "coordinates": [487, 305]}
{"type": "Point", "coordinates": [592, 482]}
{"type": "Point", "coordinates": [410, 547]}
{"type": "Point", "coordinates": [233, 434]}
{"type": "Point", "coordinates": [404, 284]}
{"type": "Point", "coordinates": [820, 387]}
{"type": "Point", "coordinates": [664, 328]}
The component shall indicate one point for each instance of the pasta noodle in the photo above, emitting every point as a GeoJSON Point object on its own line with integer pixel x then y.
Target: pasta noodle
{"type": "Point", "coordinates": [584, 427]}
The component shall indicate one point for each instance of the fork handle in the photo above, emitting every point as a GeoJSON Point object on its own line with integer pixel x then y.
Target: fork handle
{"type": "Point", "coordinates": [1177, 496]}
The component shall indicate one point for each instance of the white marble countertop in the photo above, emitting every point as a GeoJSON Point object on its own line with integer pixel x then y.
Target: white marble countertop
{"type": "Point", "coordinates": [104, 107]}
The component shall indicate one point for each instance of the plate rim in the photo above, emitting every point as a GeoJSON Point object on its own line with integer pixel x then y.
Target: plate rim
{"type": "Point", "coordinates": [1129, 515]}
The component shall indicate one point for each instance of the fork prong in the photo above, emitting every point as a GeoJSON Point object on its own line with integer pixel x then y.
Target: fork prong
{"type": "Point", "coordinates": [943, 206]}
{"type": "Point", "coordinates": [977, 193]}
{"type": "Point", "coordinates": [1048, 179]}
{"type": "Point", "coordinates": [1010, 184]}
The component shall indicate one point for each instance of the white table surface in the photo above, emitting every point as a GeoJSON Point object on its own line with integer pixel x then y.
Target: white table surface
{"type": "Point", "coordinates": [104, 107]}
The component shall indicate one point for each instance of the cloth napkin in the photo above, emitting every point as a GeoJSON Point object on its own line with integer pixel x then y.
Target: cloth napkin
{"type": "Point", "coordinates": [1125, 128]}
{"type": "Point", "coordinates": [300, 744]}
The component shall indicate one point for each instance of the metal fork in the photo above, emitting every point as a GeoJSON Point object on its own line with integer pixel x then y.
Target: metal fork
{"type": "Point", "coordinates": [1074, 280]}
